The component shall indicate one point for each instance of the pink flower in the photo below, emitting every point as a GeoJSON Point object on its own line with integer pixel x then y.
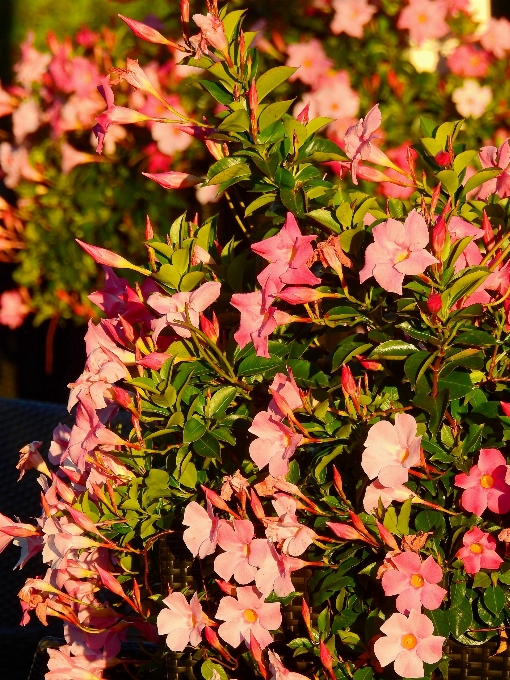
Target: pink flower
{"type": "Point", "coordinates": [62, 665]}
{"type": "Point", "coordinates": [201, 536]}
{"type": "Point", "coordinates": [173, 307]}
{"type": "Point", "coordinates": [486, 484]}
{"type": "Point", "coordinates": [358, 140]}
{"type": "Point", "coordinates": [491, 157]}
{"type": "Point", "coordinates": [174, 180]}
{"type": "Point", "coordinates": [398, 250]}
{"type": "Point", "coordinates": [415, 582]}
{"type": "Point", "coordinates": [496, 39]}
{"type": "Point", "coordinates": [182, 623]}
{"type": "Point", "coordinates": [31, 458]}
{"type": "Point", "coordinates": [275, 573]}
{"type": "Point", "coordinates": [424, 19]}
{"type": "Point", "coordinates": [376, 491]}
{"type": "Point", "coordinates": [257, 321]}
{"type": "Point", "coordinates": [479, 551]}
{"type": "Point", "coordinates": [409, 642]}
{"type": "Point", "coordinates": [292, 537]}
{"type": "Point", "coordinates": [248, 615]}
{"type": "Point", "coordinates": [288, 252]}
{"type": "Point", "coordinates": [275, 445]}
{"type": "Point", "coordinates": [13, 309]}
{"type": "Point", "coordinates": [286, 387]}
{"type": "Point", "coordinates": [212, 32]}
{"type": "Point", "coordinates": [15, 163]}
{"type": "Point", "coordinates": [26, 119]}
{"type": "Point", "coordinates": [351, 16]}
{"type": "Point", "coordinates": [33, 64]}
{"type": "Point", "coordinates": [469, 62]}
{"type": "Point", "coordinates": [391, 450]}
{"type": "Point", "coordinates": [243, 553]}
{"type": "Point", "coordinates": [311, 59]}
{"type": "Point", "coordinates": [458, 229]}
{"type": "Point", "coordinates": [472, 99]}
{"type": "Point", "coordinates": [278, 670]}
{"type": "Point", "coordinates": [333, 98]}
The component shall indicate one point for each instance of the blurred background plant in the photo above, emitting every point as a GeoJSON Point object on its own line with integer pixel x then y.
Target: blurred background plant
{"type": "Point", "coordinates": [442, 59]}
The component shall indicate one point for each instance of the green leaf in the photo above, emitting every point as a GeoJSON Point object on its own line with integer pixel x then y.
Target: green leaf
{"type": "Point", "coordinates": [393, 349]}
{"type": "Point", "coordinates": [480, 178]}
{"type": "Point", "coordinates": [317, 123]}
{"type": "Point", "coordinates": [476, 339]}
{"type": "Point", "coordinates": [427, 126]}
{"type": "Point", "coordinates": [403, 518]}
{"type": "Point", "coordinates": [221, 400]}
{"type": "Point", "coordinates": [238, 121]}
{"type": "Point", "coordinates": [457, 382]}
{"type": "Point", "coordinates": [481, 580]}
{"type": "Point", "coordinates": [190, 281]}
{"type": "Point", "coordinates": [269, 80]}
{"type": "Point", "coordinates": [259, 203]}
{"type": "Point", "coordinates": [209, 668]}
{"type": "Point", "coordinates": [193, 430]}
{"type": "Point", "coordinates": [463, 160]}
{"type": "Point", "coordinates": [441, 623]}
{"type": "Point", "coordinates": [230, 23]}
{"type": "Point", "coordinates": [207, 446]}
{"type": "Point", "coordinates": [363, 674]}
{"type": "Point", "coordinates": [170, 275]}
{"type": "Point", "coordinates": [235, 168]}
{"type": "Point", "coordinates": [464, 285]}
{"type": "Point", "coordinates": [416, 365]}
{"type": "Point", "coordinates": [254, 365]}
{"type": "Point", "coordinates": [472, 441]}
{"type": "Point", "coordinates": [144, 383]}
{"type": "Point", "coordinates": [494, 599]}
{"type": "Point", "coordinates": [435, 406]}
{"type": "Point", "coordinates": [324, 216]}
{"type": "Point", "coordinates": [449, 181]}
{"type": "Point", "coordinates": [320, 150]}
{"type": "Point", "coordinates": [219, 93]}
{"type": "Point", "coordinates": [189, 475]}
{"type": "Point", "coordinates": [157, 478]}
{"type": "Point", "coordinates": [347, 350]}
{"type": "Point", "coordinates": [429, 520]}
{"type": "Point", "coordinates": [273, 112]}
{"type": "Point", "coordinates": [460, 618]}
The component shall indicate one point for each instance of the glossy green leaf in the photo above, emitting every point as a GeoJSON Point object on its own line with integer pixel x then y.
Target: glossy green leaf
{"type": "Point", "coordinates": [273, 112]}
{"type": "Point", "coordinates": [207, 446]}
{"type": "Point", "coordinates": [393, 349]}
{"type": "Point", "coordinates": [221, 400]}
{"type": "Point", "coordinates": [324, 216]}
{"type": "Point", "coordinates": [480, 178]}
{"type": "Point", "coordinates": [269, 80]}
{"type": "Point", "coordinates": [494, 599]}
{"type": "Point", "coordinates": [193, 430]}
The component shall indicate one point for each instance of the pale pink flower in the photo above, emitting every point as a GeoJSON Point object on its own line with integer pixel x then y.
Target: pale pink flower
{"type": "Point", "coordinates": [472, 99]}
{"type": "Point", "coordinates": [351, 16]}
{"type": "Point", "coordinates": [63, 665]}
{"type": "Point", "coordinates": [10, 530]}
{"type": "Point", "coordinates": [409, 642]}
{"type": "Point", "coordinates": [206, 195]}
{"type": "Point", "coordinates": [469, 62]}
{"type": "Point", "coordinates": [234, 484]}
{"type": "Point", "coordinates": [59, 443]}
{"type": "Point", "coordinates": [311, 59]}
{"type": "Point", "coordinates": [15, 164]}
{"type": "Point", "coordinates": [275, 443]}
{"type": "Point", "coordinates": [333, 98]}
{"type": "Point", "coordinates": [278, 670]}
{"type": "Point", "coordinates": [286, 387]}
{"type": "Point", "coordinates": [248, 615]}
{"type": "Point", "coordinates": [492, 157]}
{"type": "Point", "coordinates": [496, 38]}
{"type": "Point", "coordinates": [201, 536]}
{"type": "Point", "coordinates": [33, 64]}
{"type": "Point", "coordinates": [212, 32]}
{"type": "Point", "coordinates": [424, 19]}
{"type": "Point", "coordinates": [358, 141]}
{"type": "Point", "coordinates": [76, 74]}
{"type": "Point", "coordinates": [376, 491]}
{"type": "Point", "coordinates": [288, 253]}
{"type": "Point", "coordinates": [71, 157]}
{"type": "Point", "coordinates": [275, 573]}
{"type": "Point", "coordinates": [479, 551]}
{"type": "Point", "coordinates": [293, 538]}
{"type": "Point", "coordinates": [415, 582]}
{"type": "Point", "coordinates": [97, 337]}
{"type": "Point", "coordinates": [169, 139]}
{"type": "Point", "coordinates": [458, 229]}
{"type": "Point", "coordinates": [182, 622]}
{"type": "Point", "coordinates": [485, 485]}
{"type": "Point", "coordinates": [398, 250]}
{"type": "Point", "coordinates": [174, 180]}
{"type": "Point", "coordinates": [173, 308]}
{"type": "Point", "coordinates": [13, 309]}
{"type": "Point", "coordinates": [391, 450]}
{"type": "Point", "coordinates": [257, 321]}
{"type": "Point", "coordinates": [95, 383]}
{"type": "Point", "coordinates": [243, 553]}
{"type": "Point", "coordinates": [7, 102]}
{"type": "Point", "coordinates": [31, 458]}
{"type": "Point", "coordinates": [456, 6]}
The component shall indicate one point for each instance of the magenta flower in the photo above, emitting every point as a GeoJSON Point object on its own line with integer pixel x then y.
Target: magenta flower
{"type": "Point", "coordinates": [243, 553]}
{"type": "Point", "coordinates": [415, 582]}
{"type": "Point", "coordinates": [391, 450]}
{"type": "Point", "coordinates": [182, 622]}
{"type": "Point", "coordinates": [398, 250]}
{"type": "Point", "coordinates": [424, 19]}
{"type": "Point", "coordinates": [409, 642]}
{"type": "Point", "coordinates": [479, 551]}
{"type": "Point", "coordinates": [278, 670]}
{"type": "Point", "coordinates": [248, 615]}
{"type": "Point", "coordinates": [485, 485]}
{"type": "Point", "coordinates": [491, 157]}
{"type": "Point", "coordinates": [173, 308]}
{"type": "Point", "coordinates": [288, 252]}
{"type": "Point", "coordinates": [201, 536]}
{"type": "Point", "coordinates": [257, 321]}
{"type": "Point", "coordinates": [275, 445]}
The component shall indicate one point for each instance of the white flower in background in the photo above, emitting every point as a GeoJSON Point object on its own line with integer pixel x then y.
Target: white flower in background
{"type": "Point", "coordinates": [472, 99]}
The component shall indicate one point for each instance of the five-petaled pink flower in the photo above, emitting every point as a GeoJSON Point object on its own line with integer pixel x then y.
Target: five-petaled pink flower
{"type": "Point", "coordinates": [311, 60]}
{"type": "Point", "coordinates": [496, 38]}
{"type": "Point", "coordinates": [391, 450]}
{"type": "Point", "coordinates": [479, 551]}
{"type": "Point", "coordinates": [415, 582]}
{"type": "Point", "coordinates": [201, 537]}
{"type": "Point", "coordinates": [248, 615]}
{"type": "Point", "coordinates": [293, 537]}
{"type": "Point", "coordinates": [398, 250]}
{"type": "Point", "coordinates": [491, 157]}
{"type": "Point", "coordinates": [244, 553]}
{"type": "Point", "coordinates": [257, 321]}
{"type": "Point", "coordinates": [278, 670]}
{"type": "Point", "coordinates": [173, 308]}
{"type": "Point", "coordinates": [376, 492]}
{"type": "Point", "coordinates": [182, 622]}
{"type": "Point", "coordinates": [288, 252]}
{"type": "Point", "coordinates": [275, 573]}
{"type": "Point", "coordinates": [359, 141]}
{"type": "Point", "coordinates": [424, 19]}
{"type": "Point", "coordinates": [275, 443]}
{"type": "Point", "coordinates": [485, 485]}
{"type": "Point", "coordinates": [351, 16]}
{"type": "Point", "coordinates": [409, 642]}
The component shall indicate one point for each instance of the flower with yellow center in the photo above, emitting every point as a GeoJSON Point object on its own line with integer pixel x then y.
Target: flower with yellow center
{"type": "Point", "coordinates": [417, 581]}
{"type": "Point", "coordinates": [487, 482]}
{"type": "Point", "coordinates": [476, 548]}
{"type": "Point", "coordinates": [409, 641]}
{"type": "Point", "coordinates": [250, 615]}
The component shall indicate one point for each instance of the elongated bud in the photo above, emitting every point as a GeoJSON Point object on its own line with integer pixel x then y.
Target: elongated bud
{"type": "Point", "coordinates": [185, 19]}
{"type": "Point", "coordinates": [242, 50]}
{"type": "Point", "coordinates": [149, 34]}
{"type": "Point", "coordinates": [346, 531]}
{"type": "Point", "coordinates": [438, 237]}
{"type": "Point", "coordinates": [303, 116]}
{"type": "Point", "coordinates": [348, 382]}
{"type": "Point", "coordinates": [217, 501]}
{"type": "Point", "coordinates": [372, 175]}
{"type": "Point", "coordinates": [302, 295]}
{"type": "Point", "coordinates": [149, 231]}
{"type": "Point", "coordinates": [358, 524]}
{"type": "Point", "coordinates": [215, 149]}
{"type": "Point", "coordinates": [174, 180]}
{"type": "Point", "coordinates": [63, 490]}
{"type": "Point", "coordinates": [337, 480]}
{"type": "Point", "coordinates": [109, 258]}
{"type": "Point", "coordinates": [214, 641]}
{"type": "Point", "coordinates": [305, 611]}
{"type": "Point", "coordinates": [109, 581]}
{"type": "Point", "coordinates": [155, 360]}
{"type": "Point", "coordinates": [83, 521]}
{"type": "Point", "coordinates": [434, 199]}
{"type": "Point", "coordinates": [253, 100]}
{"type": "Point", "coordinates": [488, 233]}
{"type": "Point", "coordinates": [505, 405]}
{"type": "Point", "coordinates": [210, 328]}
{"type": "Point", "coordinates": [434, 303]}
{"type": "Point", "coordinates": [258, 655]}
{"type": "Point", "coordinates": [326, 660]}
{"type": "Point", "coordinates": [368, 364]}
{"type": "Point", "coordinates": [256, 506]}
{"type": "Point", "coordinates": [387, 536]}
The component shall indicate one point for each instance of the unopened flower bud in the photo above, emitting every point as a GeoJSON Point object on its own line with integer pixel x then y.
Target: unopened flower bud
{"type": "Point", "coordinates": [210, 328]}
{"type": "Point", "coordinates": [505, 405]}
{"type": "Point", "coordinates": [443, 158]}
{"type": "Point", "coordinates": [434, 303]}
{"type": "Point", "coordinates": [327, 660]}
{"type": "Point", "coordinates": [488, 233]}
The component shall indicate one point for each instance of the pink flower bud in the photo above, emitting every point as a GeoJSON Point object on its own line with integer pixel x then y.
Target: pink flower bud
{"type": "Point", "coordinates": [488, 234]}
{"type": "Point", "coordinates": [217, 501]}
{"type": "Point", "coordinates": [154, 360]}
{"type": "Point", "coordinates": [303, 116]}
{"type": "Point", "coordinates": [226, 587]}
{"type": "Point", "coordinates": [174, 180]}
{"type": "Point", "coordinates": [213, 31]}
{"type": "Point", "coordinates": [505, 405]}
{"type": "Point", "coordinates": [348, 383]}
{"type": "Point", "coordinates": [434, 303]}
{"type": "Point", "coordinates": [369, 365]}
{"type": "Point", "coordinates": [147, 33]}
{"type": "Point", "coordinates": [387, 536]}
{"type": "Point", "coordinates": [107, 257]}
{"type": "Point", "coordinates": [83, 521]}
{"type": "Point", "coordinates": [327, 660]}
{"type": "Point", "coordinates": [256, 506]}
{"type": "Point", "coordinates": [443, 158]}
{"type": "Point", "coordinates": [210, 328]}
{"type": "Point", "coordinates": [337, 481]}
{"type": "Point", "coordinates": [439, 237]}
{"type": "Point", "coordinates": [63, 490]}
{"type": "Point", "coordinates": [301, 295]}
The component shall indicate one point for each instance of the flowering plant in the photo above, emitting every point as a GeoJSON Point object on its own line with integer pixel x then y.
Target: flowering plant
{"type": "Point", "coordinates": [323, 392]}
{"type": "Point", "coordinates": [55, 91]}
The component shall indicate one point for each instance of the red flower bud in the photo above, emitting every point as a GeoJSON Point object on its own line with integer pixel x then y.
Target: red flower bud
{"type": "Point", "coordinates": [505, 405]}
{"type": "Point", "coordinates": [369, 365]}
{"type": "Point", "coordinates": [327, 660]}
{"type": "Point", "coordinates": [443, 158]}
{"type": "Point", "coordinates": [434, 303]}
{"type": "Point", "coordinates": [488, 234]}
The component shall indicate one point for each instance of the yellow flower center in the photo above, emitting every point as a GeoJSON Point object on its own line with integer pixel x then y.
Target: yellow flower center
{"type": "Point", "coordinates": [487, 482]}
{"type": "Point", "coordinates": [417, 580]}
{"type": "Point", "coordinates": [402, 256]}
{"type": "Point", "coordinates": [409, 641]}
{"type": "Point", "coordinates": [307, 63]}
{"type": "Point", "coordinates": [246, 550]}
{"type": "Point", "coordinates": [422, 18]}
{"type": "Point", "coordinates": [476, 548]}
{"type": "Point", "coordinates": [405, 455]}
{"type": "Point", "coordinates": [287, 440]}
{"type": "Point", "coordinates": [250, 615]}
